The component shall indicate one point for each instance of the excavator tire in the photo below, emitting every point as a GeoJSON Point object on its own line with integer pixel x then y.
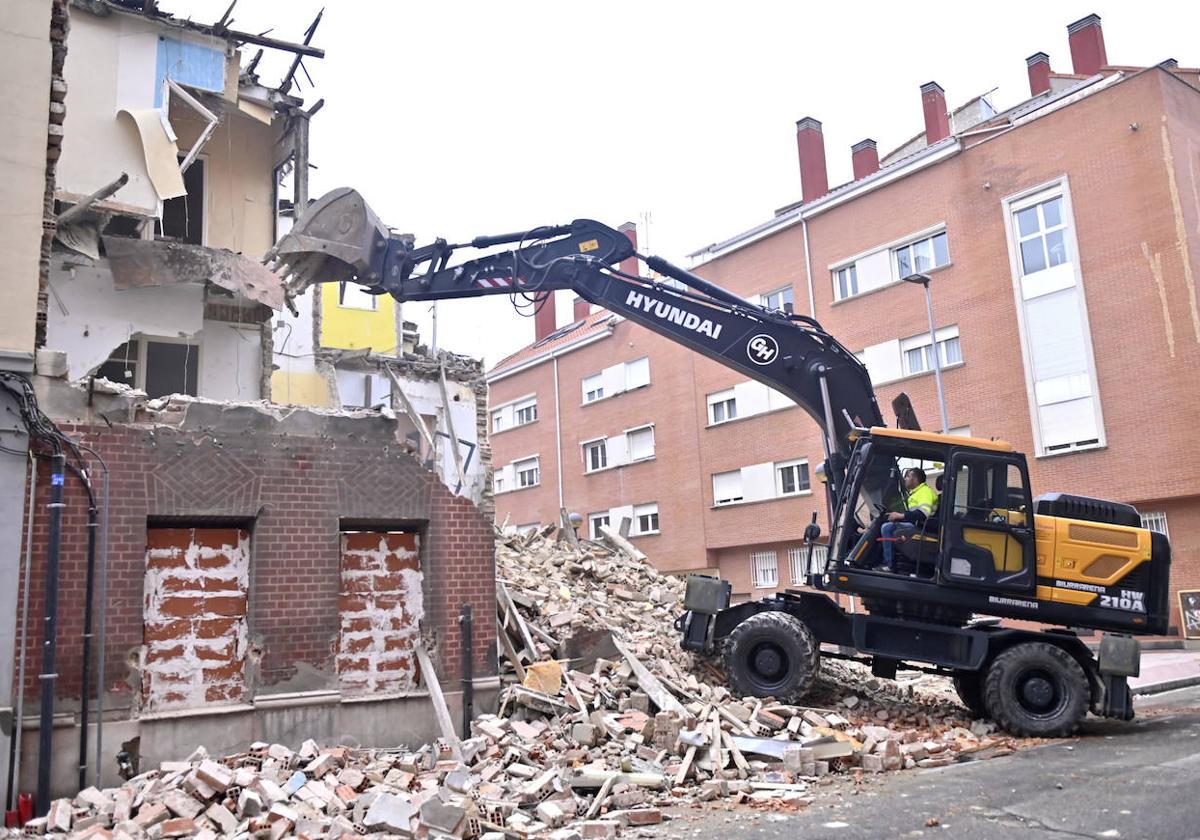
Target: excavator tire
{"type": "Point", "coordinates": [1036, 690]}
{"type": "Point", "coordinates": [969, 685]}
{"type": "Point", "coordinates": [772, 654]}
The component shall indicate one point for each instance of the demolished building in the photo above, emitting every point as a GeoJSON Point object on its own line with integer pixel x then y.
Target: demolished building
{"type": "Point", "coordinates": [262, 566]}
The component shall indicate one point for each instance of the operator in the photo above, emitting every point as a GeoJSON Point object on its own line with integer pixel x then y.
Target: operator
{"type": "Point", "coordinates": [920, 502]}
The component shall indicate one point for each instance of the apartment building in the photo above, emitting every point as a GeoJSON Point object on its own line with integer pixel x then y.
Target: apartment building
{"type": "Point", "coordinates": [1062, 236]}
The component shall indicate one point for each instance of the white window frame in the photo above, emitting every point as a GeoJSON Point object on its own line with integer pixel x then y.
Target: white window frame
{"type": "Point", "coordinates": [629, 366]}
{"type": "Point", "coordinates": [596, 392]}
{"type": "Point", "coordinates": [600, 444]}
{"type": "Point", "coordinates": [345, 286]}
{"type": "Point", "coordinates": [498, 483]}
{"type": "Point", "coordinates": [799, 554]}
{"type": "Point", "coordinates": [519, 472]}
{"type": "Point", "coordinates": [1156, 521]}
{"type": "Point", "coordinates": [921, 342]}
{"type": "Point", "coordinates": [765, 299]}
{"type": "Point", "coordinates": [718, 501]}
{"type": "Point", "coordinates": [595, 520]}
{"type": "Point", "coordinates": [524, 405]}
{"type": "Point", "coordinates": [498, 421]}
{"type": "Point", "coordinates": [629, 443]}
{"type": "Point", "coordinates": [845, 277]}
{"type": "Point", "coordinates": [648, 509]}
{"type": "Point", "coordinates": [1010, 205]}
{"type": "Point", "coordinates": [910, 247]}
{"type": "Point", "coordinates": [764, 569]}
{"type": "Point", "coordinates": [793, 464]}
{"type": "Point", "coordinates": [727, 399]}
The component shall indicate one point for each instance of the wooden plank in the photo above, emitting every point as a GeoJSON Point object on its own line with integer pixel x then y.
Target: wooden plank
{"type": "Point", "coordinates": [522, 630]}
{"type": "Point", "coordinates": [618, 542]}
{"type": "Point", "coordinates": [649, 683]}
{"type": "Point", "coordinates": [445, 724]}
{"type": "Point", "coordinates": [510, 653]}
{"type": "Point", "coordinates": [410, 411]}
{"type": "Point", "coordinates": [594, 809]}
{"type": "Point", "coordinates": [458, 463]}
{"type": "Point", "coordinates": [739, 760]}
{"type": "Point", "coordinates": [688, 758]}
{"type": "Point", "coordinates": [567, 528]}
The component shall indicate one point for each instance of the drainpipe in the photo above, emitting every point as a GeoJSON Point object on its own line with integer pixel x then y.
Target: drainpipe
{"type": "Point", "coordinates": [50, 632]}
{"type": "Point", "coordinates": [812, 299]}
{"type": "Point", "coordinates": [558, 438]}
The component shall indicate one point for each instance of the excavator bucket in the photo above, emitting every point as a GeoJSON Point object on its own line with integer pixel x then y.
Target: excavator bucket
{"type": "Point", "coordinates": [337, 238]}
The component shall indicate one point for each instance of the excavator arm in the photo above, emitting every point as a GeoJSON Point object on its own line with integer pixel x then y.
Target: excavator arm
{"type": "Point", "coordinates": [340, 239]}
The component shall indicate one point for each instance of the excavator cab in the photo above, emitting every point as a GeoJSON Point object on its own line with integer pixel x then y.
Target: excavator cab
{"type": "Point", "coordinates": [980, 533]}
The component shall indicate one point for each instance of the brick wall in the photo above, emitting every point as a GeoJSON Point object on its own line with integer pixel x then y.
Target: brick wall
{"type": "Point", "coordinates": [195, 617]}
{"type": "Point", "coordinates": [292, 481]}
{"type": "Point", "coordinates": [1136, 217]}
{"type": "Point", "coordinates": [380, 604]}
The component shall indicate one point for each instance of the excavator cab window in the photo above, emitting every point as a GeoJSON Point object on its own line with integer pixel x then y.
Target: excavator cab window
{"type": "Point", "coordinates": [987, 524]}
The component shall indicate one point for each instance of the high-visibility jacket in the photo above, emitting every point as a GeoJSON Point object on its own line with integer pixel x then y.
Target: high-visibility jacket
{"type": "Point", "coordinates": [922, 501]}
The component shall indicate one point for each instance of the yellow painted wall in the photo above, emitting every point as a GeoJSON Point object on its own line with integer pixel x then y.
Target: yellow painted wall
{"type": "Point", "coordinates": [300, 388]}
{"type": "Point", "coordinates": [239, 155]}
{"type": "Point", "coordinates": [353, 329]}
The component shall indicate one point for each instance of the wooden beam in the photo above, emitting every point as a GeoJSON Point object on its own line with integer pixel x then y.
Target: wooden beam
{"type": "Point", "coordinates": [440, 710]}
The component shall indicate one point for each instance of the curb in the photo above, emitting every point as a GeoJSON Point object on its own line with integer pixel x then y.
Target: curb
{"type": "Point", "coordinates": [1169, 685]}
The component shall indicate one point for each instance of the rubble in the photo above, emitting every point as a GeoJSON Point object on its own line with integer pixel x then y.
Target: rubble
{"type": "Point", "coordinates": [591, 746]}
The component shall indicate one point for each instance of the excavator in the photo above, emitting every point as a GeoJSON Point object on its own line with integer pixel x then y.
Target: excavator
{"type": "Point", "coordinates": [1058, 566]}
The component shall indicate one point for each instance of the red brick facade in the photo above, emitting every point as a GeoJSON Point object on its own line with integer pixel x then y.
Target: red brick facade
{"type": "Point", "coordinates": [1128, 156]}
{"type": "Point", "coordinates": [293, 490]}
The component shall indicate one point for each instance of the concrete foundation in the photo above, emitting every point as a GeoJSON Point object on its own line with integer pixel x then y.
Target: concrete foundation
{"type": "Point", "coordinates": [288, 719]}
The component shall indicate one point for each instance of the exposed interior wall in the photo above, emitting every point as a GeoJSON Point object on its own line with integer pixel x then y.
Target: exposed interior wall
{"type": "Point", "coordinates": [230, 361]}
{"type": "Point", "coordinates": [296, 380]}
{"type": "Point", "coordinates": [25, 92]}
{"type": "Point", "coordinates": [87, 318]}
{"type": "Point", "coordinates": [347, 328]}
{"type": "Point", "coordinates": [110, 66]}
{"type": "Point", "coordinates": [239, 157]}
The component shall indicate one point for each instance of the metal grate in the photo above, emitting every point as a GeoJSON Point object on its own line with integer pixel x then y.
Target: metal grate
{"type": "Point", "coordinates": [766, 569]}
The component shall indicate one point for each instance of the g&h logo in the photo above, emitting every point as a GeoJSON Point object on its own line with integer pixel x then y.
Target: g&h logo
{"type": "Point", "coordinates": [762, 349]}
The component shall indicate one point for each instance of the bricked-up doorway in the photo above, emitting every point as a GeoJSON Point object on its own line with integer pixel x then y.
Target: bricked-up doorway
{"type": "Point", "coordinates": [194, 609]}
{"type": "Point", "coordinates": [380, 602]}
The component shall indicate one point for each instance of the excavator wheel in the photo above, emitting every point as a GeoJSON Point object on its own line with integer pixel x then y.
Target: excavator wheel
{"type": "Point", "coordinates": [1036, 690]}
{"type": "Point", "coordinates": [969, 685]}
{"type": "Point", "coordinates": [772, 654]}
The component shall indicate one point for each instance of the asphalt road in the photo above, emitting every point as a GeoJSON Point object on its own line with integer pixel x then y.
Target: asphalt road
{"type": "Point", "coordinates": [1138, 780]}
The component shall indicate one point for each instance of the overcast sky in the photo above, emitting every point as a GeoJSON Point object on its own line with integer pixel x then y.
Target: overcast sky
{"type": "Point", "coordinates": [457, 119]}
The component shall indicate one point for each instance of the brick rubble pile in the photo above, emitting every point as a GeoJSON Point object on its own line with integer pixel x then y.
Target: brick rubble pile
{"type": "Point", "coordinates": [604, 723]}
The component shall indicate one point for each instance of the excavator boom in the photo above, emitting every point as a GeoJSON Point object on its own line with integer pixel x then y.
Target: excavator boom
{"type": "Point", "coordinates": [339, 239]}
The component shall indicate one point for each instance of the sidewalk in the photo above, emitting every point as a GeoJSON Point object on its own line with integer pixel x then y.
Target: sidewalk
{"type": "Point", "coordinates": [1166, 670]}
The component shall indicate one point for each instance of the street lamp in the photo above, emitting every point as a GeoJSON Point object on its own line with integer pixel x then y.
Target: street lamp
{"type": "Point", "coordinates": [923, 280]}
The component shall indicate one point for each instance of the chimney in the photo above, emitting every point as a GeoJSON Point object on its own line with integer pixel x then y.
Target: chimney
{"type": "Point", "coordinates": [1087, 46]}
{"type": "Point", "coordinates": [810, 143]}
{"type": "Point", "coordinates": [1038, 65]}
{"type": "Point", "coordinates": [582, 309]}
{"type": "Point", "coordinates": [543, 319]}
{"type": "Point", "coordinates": [864, 157]}
{"type": "Point", "coordinates": [937, 120]}
{"type": "Point", "coordinates": [629, 265]}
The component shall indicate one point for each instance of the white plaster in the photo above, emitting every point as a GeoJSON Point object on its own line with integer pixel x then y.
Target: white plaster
{"type": "Point", "coordinates": [101, 79]}
{"type": "Point", "coordinates": [87, 318]}
{"type": "Point", "coordinates": [185, 674]}
{"type": "Point", "coordinates": [411, 607]}
{"type": "Point", "coordinates": [230, 361]}
{"type": "Point", "coordinates": [293, 336]}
